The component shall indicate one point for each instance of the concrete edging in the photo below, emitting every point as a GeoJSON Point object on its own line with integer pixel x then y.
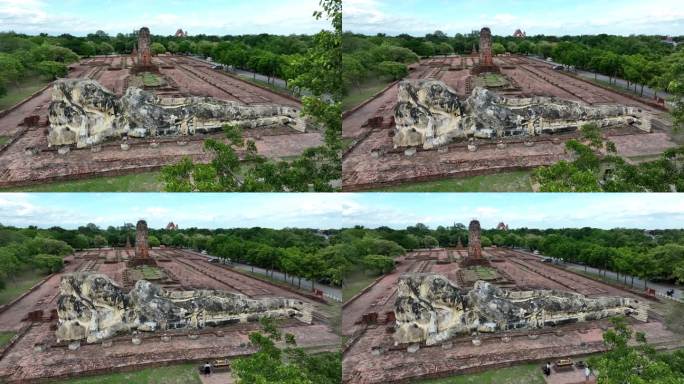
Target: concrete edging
{"type": "Point", "coordinates": [345, 114]}
{"type": "Point", "coordinates": [4, 112]}
{"type": "Point", "coordinates": [368, 288]}
{"type": "Point", "coordinates": [5, 307]}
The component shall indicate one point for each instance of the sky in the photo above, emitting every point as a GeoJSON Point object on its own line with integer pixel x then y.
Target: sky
{"type": "Point", "coordinates": [163, 17]}
{"type": "Point", "coordinates": [548, 17]}
{"type": "Point", "coordinates": [338, 210]}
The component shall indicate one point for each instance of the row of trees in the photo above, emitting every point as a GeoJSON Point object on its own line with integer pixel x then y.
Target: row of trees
{"type": "Point", "coordinates": [365, 58]}
{"type": "Point", "coordinates": [22, 57]}
{"type": "Point", "coordinates": [331, 255]}
{"type": "Point", "coordinates": [271, 55]}
{"type": "Point", "coordinates": [27, 249]}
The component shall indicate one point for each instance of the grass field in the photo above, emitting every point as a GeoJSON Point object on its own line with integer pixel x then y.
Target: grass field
{"type": "Point", "coordinates": [136, 182]}
{"type": "Point", "coordinates": [272, 86]}
{"type": "Point", "coordinates": [146, 272]}
{"type": "Point", "coordinates": [19, 92]}
{"type": "Point", "coordinates": [521, 374]}
{"type": "Point", "coordinates": [177, 374]}
{"type": "Point", "coordinates": [358, 95]}
{"type": "Point", "coordinates": [480, 273]}
{"type": "Point", "coordinates": [20, 284]}
{"type": "Point", "coordinates": [3, 140]}
{"type": "Point", "coordinates": [152, 80]}
{"type": "Point", "coordinates": [5, 337]}
{"type": "Point", "coordinates": [492, 80]}
{"type": "Point", "coordinates": [354, 283]}
{"type": "Point", "coordinates": [517, 181]}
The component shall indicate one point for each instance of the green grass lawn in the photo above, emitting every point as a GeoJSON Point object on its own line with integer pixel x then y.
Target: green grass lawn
{"type": "Point", "coordinates": [5, 337]}
{"type": "Point", "coordinates": [521, 374]}
{"type": "Point", "coordinates": [177, 374]}
{"type": "Point", "coordinates": [151, 80]}
{"type": "Point", "coordinates": [354, 283]}
{"type": "Point", "coordinates": [358, 95]}
{"type": "Point", "coordinates": [616, 87]}
{"type": "Point", "coordinates": [20, 284]}
{"type": "Point", "coordinates": [268, 85]}
{"type": "Point", "coordinates": [492, 80]}
{"type": "Point", "coordinates": [135, 182]}
{"type": "Point", "coordinates": [146, 272]}
{"type": "Point", "coordinates": [517, 181]}
{"type": "Point", "coordinates": [480, 273]}
{"type": "Point", "coordinates": [21, 91]}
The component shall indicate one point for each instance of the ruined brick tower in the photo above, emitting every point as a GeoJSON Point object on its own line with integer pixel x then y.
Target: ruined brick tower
{"type": "Point", "coordinates": [142, 248]}
{"type": "Point", "coordinates": [486, 48]}
{"type": "Point", "coordinates": [474, 247]}
{"type": "Point", "coordinates": [486, 63]}
{"type": "Point", "coordinates": [144, 53]}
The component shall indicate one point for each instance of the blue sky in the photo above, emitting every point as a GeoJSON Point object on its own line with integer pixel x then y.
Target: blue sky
{"type": "Point", "coordinates": [549, 17]}
{"type": "Point", "coordinates": [397, 210]}
{"type": "Point", "coordinates": [215, 17]}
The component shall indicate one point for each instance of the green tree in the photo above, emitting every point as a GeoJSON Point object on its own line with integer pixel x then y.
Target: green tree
{"type": "Point", "coordinates": [498, 49]}
{"type": "Point", "coordinates": [393, 70]}
{"type": "Point", "coordinates": [52, 69]}
{"type": "Point", "coordinates": [153, 241]}
{"type": "Point", "coordinates": [48, 263]}
{"type": "Point", "coordinates": [105, 48]}
{"type": "Point", "coordinates": [378, 264]}
{"type": "Point", "coordinates": [625, 363]}
{"type": "Point", "coordinates": [157, 48]}
{"type": "Point", "coordinates": [87, 49]}
{"type": "Point", "coordinates": [285, 366]}
{"type": "Point", "coordinates": [99, 241]}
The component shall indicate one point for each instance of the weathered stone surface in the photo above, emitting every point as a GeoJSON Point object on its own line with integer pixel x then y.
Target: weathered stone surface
{"type": "Point", "coordinates": [93, 307]}
{"type": "Point", "coordinates": [142, 248]}
{"type": "Point", "coordinates": [430, 309]}
{"type": "Point", "coordinates": [474, 246]}
{"type": "Point", "coordinates": [84, 113]}
{"type": "Point", "coordinates": [429, 113]}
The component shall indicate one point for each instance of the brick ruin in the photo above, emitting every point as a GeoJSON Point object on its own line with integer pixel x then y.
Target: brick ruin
{"type": "Point", "coordinates": [474, 256]}
{"type": "Point", "coordinates": [208, 331]}
{"type": "Point", "coordinates": [142, 53]}
{"type": "Point", "coordinates": [425, 338]}
{"type": "Point", "coordinates": [474, 247]}
{"type": "Point", "coordinates": [486, 63]}
{"type": "Point", "coordinates": [142, 247]}
{"type": "Point", "coordinates": [28, 159]}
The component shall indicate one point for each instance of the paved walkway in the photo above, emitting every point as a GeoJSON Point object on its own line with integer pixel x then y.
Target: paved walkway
{"type": "Point", "coordinates": [218, 378]}
{"type": "Point", "coordinates": [576, 376]}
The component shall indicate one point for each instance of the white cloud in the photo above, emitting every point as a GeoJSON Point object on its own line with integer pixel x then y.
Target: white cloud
{"type": "Point", "coordinates": [292, 16]}
{"type": "Point", "coordinates": [627, 17]}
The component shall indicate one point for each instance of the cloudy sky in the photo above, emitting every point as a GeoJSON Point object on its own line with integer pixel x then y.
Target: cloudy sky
{"type": "Point", "coordinates": [163, 17]}
{"type": "Point", "coordinates": [549, 17]}
{"type": "Point", "coordinates": [397, 210]}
